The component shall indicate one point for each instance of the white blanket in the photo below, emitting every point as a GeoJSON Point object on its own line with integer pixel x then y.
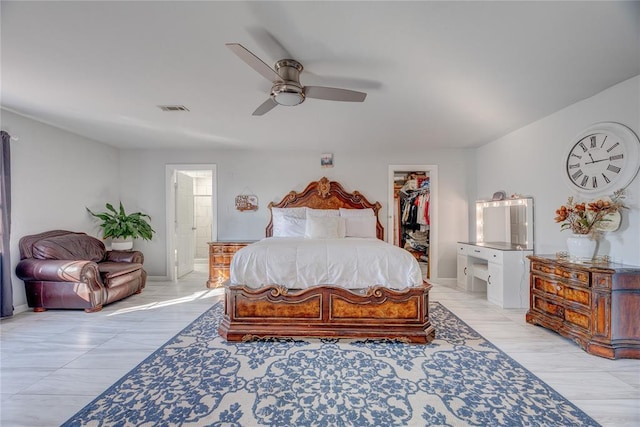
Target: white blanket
{"type": "Point", "coordinates": [297, 263]}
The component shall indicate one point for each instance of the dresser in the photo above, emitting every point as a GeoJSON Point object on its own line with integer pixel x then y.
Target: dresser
{"type": "Point", "coordinates": [497, 268]}
{"type": "Point", "coordinates": [597, 305]}
{"type": "Point", "coordinates": [220, 256]}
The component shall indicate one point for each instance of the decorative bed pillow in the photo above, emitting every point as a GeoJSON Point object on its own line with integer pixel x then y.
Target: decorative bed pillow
{"type": "Point", "coordinates": [288, 226]}
{"type": "Point", "coordinates": [324, 227]}
{"type": "Point", "coordinates": [361, 226]}
{"type": "Point", "coordinates": [291, 212]}
{"type": "Point", "coordinates": [347, 213]}
{"type": "Point", "coordinates": [322, 212]}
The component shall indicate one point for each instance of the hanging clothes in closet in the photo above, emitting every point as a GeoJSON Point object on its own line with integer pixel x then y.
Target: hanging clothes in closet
{"type": "Point", "coordinates": [415, 221]}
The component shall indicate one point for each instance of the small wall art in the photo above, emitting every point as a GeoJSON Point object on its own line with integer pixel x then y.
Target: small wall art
{"type": "Point", "coordinates": [246, 202]}
{"type": "Point", "coordinates": [326, 160]}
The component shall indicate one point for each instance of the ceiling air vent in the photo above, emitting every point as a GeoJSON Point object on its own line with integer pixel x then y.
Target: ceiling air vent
{"type": "Point", "coordinates": [173, 108]}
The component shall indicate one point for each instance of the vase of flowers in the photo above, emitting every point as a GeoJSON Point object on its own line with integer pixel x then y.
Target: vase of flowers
{"type": "Point", "coordinates": [586, 220]}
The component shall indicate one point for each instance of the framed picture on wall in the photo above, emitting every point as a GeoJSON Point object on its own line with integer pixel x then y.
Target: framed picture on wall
{"type": "Point", "coordinates": [326, 160]}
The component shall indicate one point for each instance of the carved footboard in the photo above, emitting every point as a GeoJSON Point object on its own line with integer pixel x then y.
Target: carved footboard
{"type": "Point", "coordinates": [327, 311]}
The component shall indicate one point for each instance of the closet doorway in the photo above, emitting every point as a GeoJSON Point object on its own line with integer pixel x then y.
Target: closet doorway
{"type": "Point", "coordinates": [413, 213]}
{"type": "Point", "coordinates": [191, 222]}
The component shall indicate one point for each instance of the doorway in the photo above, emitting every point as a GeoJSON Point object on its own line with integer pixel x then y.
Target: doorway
{"type": "Point", "coordinates": [396, 231]}
{"type": "Point", "coordinates": [191, 222]}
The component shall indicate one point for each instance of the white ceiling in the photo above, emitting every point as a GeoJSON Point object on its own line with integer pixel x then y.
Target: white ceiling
{"type": "Point", "coordinates": [437, 74]}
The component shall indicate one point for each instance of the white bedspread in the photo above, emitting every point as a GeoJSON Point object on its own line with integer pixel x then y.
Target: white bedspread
{"type": "Point", "coordinates": [297, 263]}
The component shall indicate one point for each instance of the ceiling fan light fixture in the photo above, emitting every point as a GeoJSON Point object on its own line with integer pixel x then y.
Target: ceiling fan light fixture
{"type": "Point", "coordinates": [287, 95]}
{"type": "Point", "coordinates": [285, 79]}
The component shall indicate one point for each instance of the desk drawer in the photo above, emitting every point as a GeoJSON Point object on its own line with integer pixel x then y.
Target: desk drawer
{"type": "Point", "coordinates": [478, 252]}
{"type": "Point", "coordinates": [491, 255]}
{"type": "Point", "coordinates": [494, 255]}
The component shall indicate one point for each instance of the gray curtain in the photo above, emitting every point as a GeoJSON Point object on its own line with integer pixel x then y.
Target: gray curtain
{"type": "Point", "coordinates": [6, 290]}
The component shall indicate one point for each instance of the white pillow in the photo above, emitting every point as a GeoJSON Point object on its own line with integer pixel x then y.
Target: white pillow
{"type": "Point", "coordinates": [356, 212]}
{"type": "Point", "coordinates": [361, 226]}
{"type": "Point", "coordinates": [322, 212]}
{"type": "Point", "coordinates": [292, 212]}
{"type": "Point", "coordinates": [288, 226]}
{"type": "Point", "coordinates": [322, 227]}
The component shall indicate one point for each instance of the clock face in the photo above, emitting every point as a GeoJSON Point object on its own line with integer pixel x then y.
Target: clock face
{"type": "Point", "coordinates": [602, 159]}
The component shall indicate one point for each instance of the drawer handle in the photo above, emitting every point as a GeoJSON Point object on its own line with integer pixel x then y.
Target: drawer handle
{"type": "Point", "coordinates": [489, 280]}
{"type": "Point", "coordinates": [558, 288]}
{"type": "Point", "coordinates": [465, 271]}
{"type": "Point", "coordinates": [476, 250]}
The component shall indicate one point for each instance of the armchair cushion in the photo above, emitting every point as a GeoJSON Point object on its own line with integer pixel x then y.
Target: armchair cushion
{"type": "Point", "coordinates": [73, 246]}
{"type": "Point", "coordinates": [109, 270]}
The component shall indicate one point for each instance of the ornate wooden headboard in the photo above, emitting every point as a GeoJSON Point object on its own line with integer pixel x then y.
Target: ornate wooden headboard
{"type": "Point", "coordinates": [325, 194]}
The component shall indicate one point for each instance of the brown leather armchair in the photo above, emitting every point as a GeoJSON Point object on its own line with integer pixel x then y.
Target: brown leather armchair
{"type": "Point", "coordinates": [64, 269]}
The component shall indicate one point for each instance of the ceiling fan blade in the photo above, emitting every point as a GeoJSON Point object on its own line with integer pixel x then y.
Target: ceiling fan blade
{"type": "Point", "coordinates": [265, 107]}
{"type": "Point", "coordinates": [254, 62]}
{"type": "Point", "coordinates": [334, 94]}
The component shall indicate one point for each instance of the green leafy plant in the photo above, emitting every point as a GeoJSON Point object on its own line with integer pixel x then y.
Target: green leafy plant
{"type": "Point", "coordinates": [118, 224]}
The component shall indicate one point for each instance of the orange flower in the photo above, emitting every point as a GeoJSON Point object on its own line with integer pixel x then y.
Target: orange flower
{"type": "Point", "coordinates": [583, 218]}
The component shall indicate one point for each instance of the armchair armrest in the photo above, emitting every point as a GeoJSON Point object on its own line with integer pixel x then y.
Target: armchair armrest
{"type": "Point", "coordinates": [125, 256]}
{"type": "Point", "coordinates": [31, 269]}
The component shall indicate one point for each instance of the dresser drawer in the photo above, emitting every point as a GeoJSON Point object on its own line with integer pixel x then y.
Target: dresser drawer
{"type": "Point", "coordinates": [546, 285]}
{"type": "Point", "coordinates": [546, 306]}
{"type": "Point", "coordinates": [578, 318]}
{"type": "Point", "coordinates": [560, 288]}
{"type": "Point", "coordinates": [577, 295]}
{"type": "Point", "coordinates": [579, 276]}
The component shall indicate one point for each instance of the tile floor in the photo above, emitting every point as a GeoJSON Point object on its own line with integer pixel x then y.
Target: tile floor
{"type": "Point", "coordinates": [54, 363]}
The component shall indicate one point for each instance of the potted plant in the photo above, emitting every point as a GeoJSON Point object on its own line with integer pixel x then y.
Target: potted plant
{"type": "Point", "coordinates": [123, 227]}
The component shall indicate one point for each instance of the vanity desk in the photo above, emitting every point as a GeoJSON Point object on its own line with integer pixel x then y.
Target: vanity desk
{"type": "Point", "coordinates": [497, 263]}
{"type": "Point", "coordinates": [499, 268]}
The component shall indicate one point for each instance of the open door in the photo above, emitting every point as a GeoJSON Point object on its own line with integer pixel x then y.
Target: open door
{"type": "Point", "coordinates": [406, 190]}
{"type": "Point", "coordinates": [185, 224]}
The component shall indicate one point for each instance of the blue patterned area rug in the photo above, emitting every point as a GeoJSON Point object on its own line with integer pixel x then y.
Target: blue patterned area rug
{"type": "Point", "coordinates": [198, 379]}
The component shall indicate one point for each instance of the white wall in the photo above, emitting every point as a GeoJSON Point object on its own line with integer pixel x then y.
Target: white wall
{"type": "Point", "coordinates": [54, 176]}
{"type": "Point", "coordinates": [529, 161]}
{"type": "Point", "coordinates": [57, 174]}
{"type": "Point", "coordinates": [270, 175]}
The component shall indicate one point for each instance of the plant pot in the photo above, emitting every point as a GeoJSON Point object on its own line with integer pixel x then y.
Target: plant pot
{"type": "Point", "coordinates": [120, 244]}
{"type": "Point", "coordinates": [582, 247]}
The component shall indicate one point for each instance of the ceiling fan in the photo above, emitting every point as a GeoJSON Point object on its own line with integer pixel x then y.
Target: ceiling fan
{"type": "Point", "coordinates": [286, 89]}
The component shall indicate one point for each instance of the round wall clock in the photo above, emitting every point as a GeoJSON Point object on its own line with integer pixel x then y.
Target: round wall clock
{"type": "Point", "coordinates": [603, 158]}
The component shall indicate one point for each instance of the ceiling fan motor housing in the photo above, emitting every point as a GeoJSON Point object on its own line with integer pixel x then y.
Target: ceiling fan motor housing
{"type": "Point", "coordinates": [288, 92]}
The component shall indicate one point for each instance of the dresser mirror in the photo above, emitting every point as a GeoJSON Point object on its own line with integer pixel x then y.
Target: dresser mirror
{"type": "Point", "coordinates": [505, 221]}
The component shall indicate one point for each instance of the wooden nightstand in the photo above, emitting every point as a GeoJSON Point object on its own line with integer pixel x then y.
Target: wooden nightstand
{"type": "Point", "coordinates": [220, 255]}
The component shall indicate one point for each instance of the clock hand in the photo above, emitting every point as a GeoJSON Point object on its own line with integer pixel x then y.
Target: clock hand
{"type": "Point", "coordinates": [592, 161]}
{"type": "Point", "coordinates": [595, 161]}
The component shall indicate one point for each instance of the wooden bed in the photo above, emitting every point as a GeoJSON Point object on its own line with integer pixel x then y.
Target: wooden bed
{"type": "Point", "coordinates": [324, 310]}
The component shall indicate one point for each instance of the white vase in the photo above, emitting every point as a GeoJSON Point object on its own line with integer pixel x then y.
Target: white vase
{"type": "Point", "coordinates": [582, 247]}
{"type": "Point", "coordinates": [118, 244]}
